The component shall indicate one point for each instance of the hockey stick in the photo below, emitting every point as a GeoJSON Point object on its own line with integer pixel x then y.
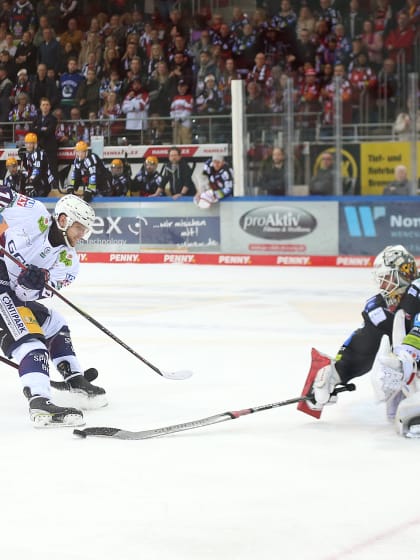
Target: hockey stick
{"type": "Point", "coordinates": [117, 433]}
{"type": "Point", "coordinates": [180, 374]}
{"type": "Point", "coordinates": [90, 374]}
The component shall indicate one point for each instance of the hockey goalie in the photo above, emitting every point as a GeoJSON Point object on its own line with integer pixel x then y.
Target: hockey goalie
{"type": "Point", "coordinates": [387, 345]}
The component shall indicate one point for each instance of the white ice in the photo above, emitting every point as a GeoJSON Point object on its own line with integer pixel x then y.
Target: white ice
{"type": "Point", "coordinates": [273, 485]}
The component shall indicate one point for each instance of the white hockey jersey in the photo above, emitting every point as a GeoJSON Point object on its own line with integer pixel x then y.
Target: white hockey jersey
{"type": "Point", "coordinates": [24, 226]}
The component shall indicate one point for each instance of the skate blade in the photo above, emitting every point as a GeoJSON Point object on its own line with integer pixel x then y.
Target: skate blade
{"type": "Point", "coordinates": [77, 399]}
{"type": "Point", "coordinates": [45, 420]}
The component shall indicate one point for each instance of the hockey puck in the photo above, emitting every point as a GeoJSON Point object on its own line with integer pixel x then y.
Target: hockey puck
{"type": "Point", "coordinates": [79, 433]}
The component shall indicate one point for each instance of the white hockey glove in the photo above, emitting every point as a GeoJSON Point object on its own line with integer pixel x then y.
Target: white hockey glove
{"type": "Point", "coordinates": [394, 372]}
{"type": "Point", "coordinates": [206, 199]}
{"type": "Point", "coordinates": [324, 384]}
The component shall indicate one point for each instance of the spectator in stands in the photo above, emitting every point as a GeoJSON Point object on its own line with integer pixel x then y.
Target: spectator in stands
{"type": "Point", "coordinates": [323, 181]}
{"type": "Point", "coordinates": [158, 132]}
{"type": "Point", "coordinates": [364, 86]}
{"type": "Point", "coordinates": [382, 16]}
{"type": "Point", "coordinates": [87, 94]}
{"type": "Point", "coordinates": [156, 55]}
{"type": "Point", "coordinates": [136, 107]}
{"type": "Point", "coordinates": [68, 10]}
{"type": "Point", "coordinates": [72, 35]}
{"type": "Point", "coordinates": [180, 69]}
{"type": "Point", "coordinates": [272, 177]}
{"type": "Point", "coordinates": [305, 49]}
{"type": "Point", "coordinates": [400, 40]}
{"type": "Point", "coordinates": [9, 62]}
{"type": "Point", "coordinates": [111, 83]}
{"type": "Point", "coordinates": [69, 84]}
{"type": "Point", "coordinates": [353, 20]}
{"type": "Point", "coordinates": [78, 127]}
{"type": "Point", "coordinates": [305, 20]}
{"type": "Point", "coordinates": [112, 116]}
{"type": "Point", "coordinates": [111, 61]}
{"type": "Point", "coordinates": [388, 91]}
{"type": "Point", "coordinates": [22, 113]}
{"type": "Point", "coordinates": [162, 89]}
{"type": "Point", "coordinates": [38, 37]}
{"type": "Point", "coordinates": [373, 43]}
{"type": "Point", "coordinates": [203, 44]}
{"type": "Point", "coordinates": [50, 10]}
{"type": "Point", "coordinates": [43, 86]}
{"type": "Point", "coordinates": [45, 125]}
{"type": "Point", "coordinates": [329, 14]}
{"type": "Point", "coordinates": [62, 130]}
{"type": "Point", "coordinates": [286, 18]}
{"type": "Point", "coordinates": [22, 18]}
{"type": "Point", "coordinates": [206, 66]}
{"type": "Point", "coordinates": [90, 44]}
{"type": "Point", "coordinates": [181, 111]}
{"type": "Point", "coordinates": [309, 105]}
{"type": "Point", "coordinates": [327, 97]}
{"type": "Point", "coordinates": [244, 49]}
{"type": "Point", "coordinates": [401, 185]}
{"type": "Point", "coordinates": [228, 74]}
{"type": "Point", "coordinates": [26, 54]}
{"type": "Point", "coordinates": [261, 74]}
{"type": "Point", "coordinates": [50, 51]}
{"type": "Point", "coordinates": [209, 101]}
{"type": "Point", "coordinates": [21, 85]}
{"type": "Point", "coordinates": [225, 39]}
{"type": "Point", "coordinates": [177, 176]}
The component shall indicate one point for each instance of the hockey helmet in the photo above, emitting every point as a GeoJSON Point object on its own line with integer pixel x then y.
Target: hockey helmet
{"type": "Point", "coordinates": [31, 138]}
{"type": "Point", "coordinates": [117, 167]}
{"type": "Point", "coordinates": [151, 160]}
{"type": "Point", "coordinates": [81, 149]}
{"type": "Point", "coordinates": [11, 161]}
{"type": "Point", "coordinates": [394, 269]}
{"type": "Point", "coordinates": [76, 210]}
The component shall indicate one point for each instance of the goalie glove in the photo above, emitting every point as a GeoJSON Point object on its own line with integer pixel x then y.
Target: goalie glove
{"type": "Point", "coordinates": [393, 371]}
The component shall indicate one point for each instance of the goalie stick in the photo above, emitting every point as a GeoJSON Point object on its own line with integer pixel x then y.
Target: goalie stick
{"type": "Point", "coordinates": [118, 433]}
{"type": "Point", "coordinates": [180, 374]}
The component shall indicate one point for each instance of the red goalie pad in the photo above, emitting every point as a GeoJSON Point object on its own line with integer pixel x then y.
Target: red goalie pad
{"type": "Point", "coordinates": [318, 361]}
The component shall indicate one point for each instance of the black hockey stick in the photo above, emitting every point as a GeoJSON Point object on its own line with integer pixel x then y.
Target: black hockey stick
{"type": "Point", "coordinates": [117, 433]}
{"type": "Point", "coordinates": [180, 374]}
{"type": "Point", "coordinates": [90, 374]}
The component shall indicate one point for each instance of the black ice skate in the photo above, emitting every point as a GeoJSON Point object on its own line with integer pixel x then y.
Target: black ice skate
{"type": "Point", "coordinates": [88, 395]}
{"type": "Point", "coordinates": [45, 414]}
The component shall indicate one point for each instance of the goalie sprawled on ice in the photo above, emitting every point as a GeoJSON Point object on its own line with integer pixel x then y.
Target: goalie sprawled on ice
{"type": "Point", "coordinates": [387, 345]}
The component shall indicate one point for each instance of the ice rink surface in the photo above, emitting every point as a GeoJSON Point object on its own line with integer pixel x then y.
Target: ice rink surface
{"type": "Point", "coordinates": [272, 485]}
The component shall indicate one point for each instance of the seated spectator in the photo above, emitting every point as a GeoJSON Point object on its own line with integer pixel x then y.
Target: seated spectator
{"type": "Point", "coordinates": [181, 110]}
{"type": "Point", "coordinates": [92, 63]}
{"type": "Point", "coordinates": [177, 176]}
{"type": "Point", "coordinates": [218, 182]}
{"type": "Point", "coordinates": [148, 182]}
{"type": "Point", "coordinates": [323, 181]}
{"type": "Point", "coordinates": [111, 83]}
{"type": "Point", "coordinates": [401, 185]}
{"type": "Point", "coordinates": [206, 66]}
{"type": "Point", "coordinates": [273, 179]}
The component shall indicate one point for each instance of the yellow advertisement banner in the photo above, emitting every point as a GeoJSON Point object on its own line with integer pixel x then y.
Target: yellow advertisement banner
{"type": "Point", "coordinates": [378, 161]}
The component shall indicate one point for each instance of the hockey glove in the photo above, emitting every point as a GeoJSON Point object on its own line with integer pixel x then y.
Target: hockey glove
{"type": "Point", "coordinates": [30, 191]}
{"type": "Point", "coordinates": [89, 192]}
{"type": "Point", "coordinates": [397, 371]}
{"type": "Point", "coordinates": [31, 283]}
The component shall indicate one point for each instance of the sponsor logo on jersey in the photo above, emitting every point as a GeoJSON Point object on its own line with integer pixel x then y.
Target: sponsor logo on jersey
{"type": "Point", "coordinates": [11, 317]}
{"type": "Point", "coordinates": [43, 224]}
{"type": "Point", "coordinates": [278, 222]}
{"type": "Point", "coordinates": [65, 258]}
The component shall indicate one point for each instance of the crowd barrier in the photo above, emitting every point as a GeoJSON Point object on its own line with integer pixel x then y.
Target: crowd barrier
{"type": "Point", "coordinates": [292, 231]}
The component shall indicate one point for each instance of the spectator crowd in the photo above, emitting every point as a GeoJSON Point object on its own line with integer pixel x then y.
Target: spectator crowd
{"type": "Point", "coordinates": [160, 78]}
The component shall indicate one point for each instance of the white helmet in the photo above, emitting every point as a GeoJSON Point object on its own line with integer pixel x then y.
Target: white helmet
{"type": "Point", "coordinates": [394, 269]}
{"type": "Point", "coordinates": [76, 210]}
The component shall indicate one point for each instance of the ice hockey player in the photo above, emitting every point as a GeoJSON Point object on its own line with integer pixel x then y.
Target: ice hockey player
{"type": "Point", "coordinates": [120, 181]}
{"type": "Point", "coordinates": [148, 181]}
{"type": "Point", "coordinates": [40, 179]}
{"type": "Point", "coordinates": [387, 345]}
{"type": "Point", "coordinates": [15, 178]}
{"type": "Point", "coordinates": [218, 182]}
{"type": "Point", "coordinates": [89, 173]}
{"type": "Point", "coordinates": [33, 334]}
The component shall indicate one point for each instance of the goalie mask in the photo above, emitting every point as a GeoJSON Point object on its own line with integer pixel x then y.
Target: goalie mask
{"type": "Point", "coordinates": [76, 210]}
{"type": "Point", "coordinates": [394, 269]}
